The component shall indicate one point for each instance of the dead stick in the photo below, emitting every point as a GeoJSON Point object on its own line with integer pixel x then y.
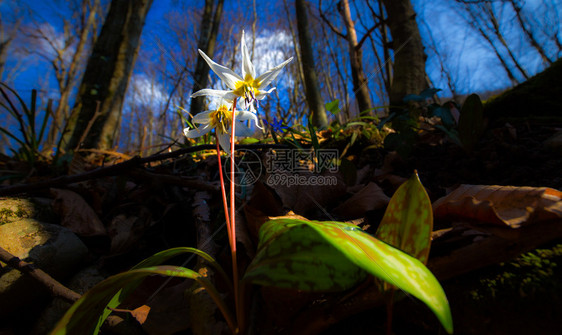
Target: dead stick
{"type": "Point", "coordinates": [55, 288]}
{"type": "Point", "coordinates": [58, 290]}
{"type": "Point", "coordinates": [117, 169]}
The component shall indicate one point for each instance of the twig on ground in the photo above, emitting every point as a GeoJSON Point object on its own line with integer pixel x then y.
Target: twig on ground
{"type": "Point", "coordinates": [55, 288]}
{"type": "Point", "coordinates": [118, 169]}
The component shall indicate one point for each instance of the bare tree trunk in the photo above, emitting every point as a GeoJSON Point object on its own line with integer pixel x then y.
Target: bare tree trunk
{"type": "Point", "coordinates": [67, 77]}
{"type": "Point", "coordinates": [209, 29]}
{"type": "Point", "coordinates": [107, 76]}
{"type": "Point", "coordinates": [313, 98]}
{"type": "Point", "coordinates": [360, 87]}
{"type": "Point", "coordinates": [409, 57]}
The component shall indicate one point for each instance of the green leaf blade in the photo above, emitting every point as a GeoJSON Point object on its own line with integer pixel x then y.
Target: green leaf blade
{"type": "Point", "coordinates": [389, 264]}
{"type": "Point", "coordinates": [83, 316]}
{"type": "Point", "coordinates": [408, 220]}
{"type": "Point", "coordinates": [292, 255]}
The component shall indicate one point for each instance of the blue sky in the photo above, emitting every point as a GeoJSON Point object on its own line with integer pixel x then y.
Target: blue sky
{"type": "Point", "coordinates": [474, 66]}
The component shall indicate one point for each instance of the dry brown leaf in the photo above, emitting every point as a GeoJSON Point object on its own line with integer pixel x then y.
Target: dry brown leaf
{"type": "Point", "coordinates": [141, 313]}
{"type": "Point", "coordinates": [261, 205]}
{"type": "Point", "coordinates": [370, 197]}
{"type": "Point", "coordinates": [305, 198]}
{"type": "Point", "coordinates": [76, 214]}
{"type": "Point", "coordinates": [290, 215]}
{"type": "Point", "coordinates": [121, 232]}
{"type": "Point", "coordinates": [504, 205]}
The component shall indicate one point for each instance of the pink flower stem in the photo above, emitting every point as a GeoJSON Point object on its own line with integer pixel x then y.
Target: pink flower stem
{"type": "Point", "coordinates": [224, 201]}
{"type": "Point", "coordinates": [233, 215]}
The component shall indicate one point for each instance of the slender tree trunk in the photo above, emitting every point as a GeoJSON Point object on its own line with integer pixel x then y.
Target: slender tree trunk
{"type": "Point", "coordinates": [409, 56]}
{"type": "Point", "coordinates": [313, 97]}
{"type": "Point", "coordinates": [386, 52]}
{"type": "Point", "coordinates": [360, 87]}
{"type": "Point", "coordinates": [207, 39]}
{"type": "Point", "coordinates": [107, 76]}
{"type": "Point", "coordinates": [67, 79]}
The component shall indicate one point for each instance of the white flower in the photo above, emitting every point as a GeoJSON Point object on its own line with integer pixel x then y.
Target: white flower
{"type": "Point", "coordinates": [221, 120]}
{"type": "Point", "coordinates": [247, 85]}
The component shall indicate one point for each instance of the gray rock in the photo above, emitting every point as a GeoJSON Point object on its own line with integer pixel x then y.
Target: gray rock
{"type": "Point", "coordinates": [52, 248]}
{"type": "Point", "coordinates": [80, 282]}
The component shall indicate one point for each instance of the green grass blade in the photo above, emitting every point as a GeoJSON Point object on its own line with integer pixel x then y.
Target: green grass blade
{"type": "Point", "coordinates": [83, 316]}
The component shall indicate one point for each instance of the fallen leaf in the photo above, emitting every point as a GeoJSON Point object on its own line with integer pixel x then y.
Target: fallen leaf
{"type": "Point", "coordinates": [261, 205]}
{"type": "Point", "coordinates": [504, 205]}
{"type": "Point", "coordinates": [76, 214]}
{"type": "Point", "coordinates": [141, 313]}
{"type": "Point", "coordinates": [308, 196]}
{"type": "Point", "coordinates": [370, 197]}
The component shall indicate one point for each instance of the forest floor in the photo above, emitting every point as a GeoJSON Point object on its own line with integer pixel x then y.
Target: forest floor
{"type": "Point", "coordinates": [519, 296]}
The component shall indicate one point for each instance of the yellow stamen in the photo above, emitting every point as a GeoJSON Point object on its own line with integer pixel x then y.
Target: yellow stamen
{"type": "Point", "coordinates": [247, 88]}
{"type": "Point", "coordinates": [221, 119]}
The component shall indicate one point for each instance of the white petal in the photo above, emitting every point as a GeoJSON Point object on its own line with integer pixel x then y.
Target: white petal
{"type": "Point", "coordinates": [245, 115]}
{"type": "Point", "coordinates": [262, 94]}
{"type": "Point", "coordinates": [224, 141]}
{"type": "Point", "coordinates": [202, 117]}
{"type": "Point", "coordinates": [271, 74]}
{"type": "Point", "coordinates": [227, 75]}
{"type": "Point", "coordinates": [210, 92]}
{"type": "Point", "coordinates": [247, 66]}
{"type": "Point", "coordinates": [196, 132]}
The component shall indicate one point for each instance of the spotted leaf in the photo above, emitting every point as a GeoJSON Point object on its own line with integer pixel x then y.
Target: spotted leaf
{"type": "Point", "coordinates": [408, 220]}
{"type": "Point", "coordinates": [352, 250]}
{"type": "Point", "coordinates": [293, 255]}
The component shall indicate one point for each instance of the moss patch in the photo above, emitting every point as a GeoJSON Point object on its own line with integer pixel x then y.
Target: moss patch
{"type": "Point", "coordinates": [8, 215]}
{"type": "Point", "coordinates": [536, 98]}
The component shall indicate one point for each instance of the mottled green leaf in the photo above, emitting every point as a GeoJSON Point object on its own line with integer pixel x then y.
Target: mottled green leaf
{"type": "Point", "coordinates": [471, 121]}
{"type": "Point", "coordinates": [293, 255]}
{"type": "Point", "coordinates": [408, 220]}
{"type": "Point", "coordinates": [273, 264]}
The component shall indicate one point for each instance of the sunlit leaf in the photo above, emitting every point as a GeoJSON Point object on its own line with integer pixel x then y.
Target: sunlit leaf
{"type": "Point", "coordinates": [408, 220]}
{"type": "Point", "coordinates": [292, 255]}
{"type": "Point", "coordinates": [151, 261]}
{"type": "Point", "coordinates": [333, 107]}
{"type": "Point", "coordinates": [82, 317]}
{"type": "Point", "coordinates": [290, 250]}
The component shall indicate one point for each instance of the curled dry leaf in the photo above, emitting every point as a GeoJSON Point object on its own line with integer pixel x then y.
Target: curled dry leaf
{"type": "Point", "coordinates": [504, 205]}
{"type": "Point", "coordinates": [370, 197]}
{"type": "Point", "coordinates": [309, 192]}
{"type": "Point", "coordinates": [141, 313]}
{"type": "Point", "coordinates": [76, 214]}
